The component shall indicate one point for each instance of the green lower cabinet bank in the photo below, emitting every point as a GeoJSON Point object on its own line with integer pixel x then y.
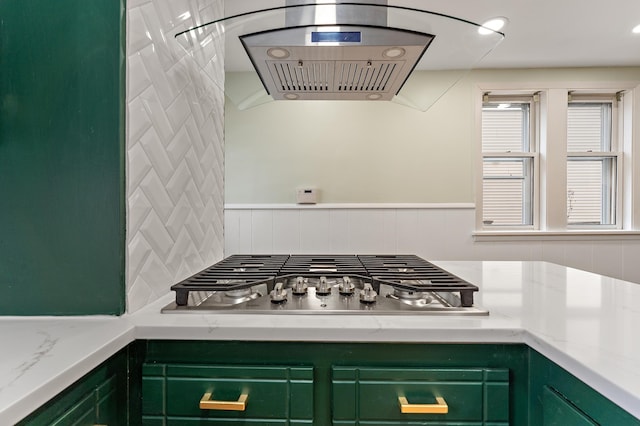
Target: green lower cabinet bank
{"type": "Point", "coordinates": [333, 383]}
{"type": "Point", "coordinates": [174, 383]}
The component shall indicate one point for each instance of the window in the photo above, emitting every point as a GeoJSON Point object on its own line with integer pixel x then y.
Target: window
{"type": "Point", "coordinates": [592, 162]}
{"type": "Point", "coordinates": [509, 161]}
{"type": "Point", "coordinates": [553, 160]}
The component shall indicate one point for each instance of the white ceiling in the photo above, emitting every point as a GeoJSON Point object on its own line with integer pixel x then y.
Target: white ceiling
{"type": "Point", "coordinates": [556, 33]}
{"type": "Point", "coordinates": [540, 33]}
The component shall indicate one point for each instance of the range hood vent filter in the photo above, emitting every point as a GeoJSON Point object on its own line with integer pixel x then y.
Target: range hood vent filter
{"type": "Point", "coordinates": [366, 76]}
{"type": "Point", "coordinates": [334, 77]}
{"type": "Point", "coordinates": [290, 76]}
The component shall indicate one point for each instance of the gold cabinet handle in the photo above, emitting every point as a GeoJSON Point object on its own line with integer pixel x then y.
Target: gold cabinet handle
{"type": "Point", "coordinates": [206, 403]}
{"type": "Point", "coordinates": [440, 407]}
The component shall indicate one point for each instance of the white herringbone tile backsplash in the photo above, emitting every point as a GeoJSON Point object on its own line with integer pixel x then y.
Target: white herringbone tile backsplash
{"type": "Point", "coordinates": [174, 150]}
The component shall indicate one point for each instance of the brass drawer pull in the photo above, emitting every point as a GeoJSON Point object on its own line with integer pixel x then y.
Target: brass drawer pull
{"type": "Point", "coordinates": [440, 407]}
{"type": "Point", "coordinates": [206, 403]}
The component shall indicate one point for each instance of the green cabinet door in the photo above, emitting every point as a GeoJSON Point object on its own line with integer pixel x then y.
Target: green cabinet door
{"type": "Point", "coordinates": [100, 397]}
{"type": "Point", "coordinates": [366, 395]}
{"type": "Point", "coordinates": [558, 411]}
{"type": "Point", "coordinates": [556, 397]}
{"type": "Point", "coordinates": [232, 394]}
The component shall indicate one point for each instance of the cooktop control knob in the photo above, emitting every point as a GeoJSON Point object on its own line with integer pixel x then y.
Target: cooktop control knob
{"type": "Point", "coordinates": [368, 294]}
{"type": "Point", "coordinates": [323, 287]}
{"type": "Point", "coordinates": [278, 294]}
{"type": "Point", "coordinates": [300, 287]}
{"type": "Point", "coordinates": [346, 287]}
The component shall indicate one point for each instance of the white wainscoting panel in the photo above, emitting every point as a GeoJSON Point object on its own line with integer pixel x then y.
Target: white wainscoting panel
{"type": "Point", "coordinates": [314, 232]}
{"type": "Point", "coordinates": [431, 232]}
{"type": "Point", "coordinates": [174, 151]}
{"type": "Point", "coordinates": [631, 261]}
{"type": "Point", "coordinates": [607, 257]}
{"type": "Point", "coordinates": [286, 230]}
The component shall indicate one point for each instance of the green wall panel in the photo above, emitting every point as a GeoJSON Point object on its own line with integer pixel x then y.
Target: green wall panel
{"type": "Point", "coordinates": [61, 157]}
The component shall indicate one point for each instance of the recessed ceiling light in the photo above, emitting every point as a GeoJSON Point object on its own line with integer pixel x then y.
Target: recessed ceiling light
{"type": "Point", "coordinates": [636, 29]}
{"type": "Point", "coordinates": [492, 25]}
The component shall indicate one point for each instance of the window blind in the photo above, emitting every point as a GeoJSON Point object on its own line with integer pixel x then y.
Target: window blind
{"type": "Point", "coordinates": [507, 190]}
{"type": "Point", "coordinates": [590, 181]}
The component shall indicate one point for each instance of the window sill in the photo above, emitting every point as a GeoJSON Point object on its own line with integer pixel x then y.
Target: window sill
{"type": "Point", "coordinates": [569, 235]}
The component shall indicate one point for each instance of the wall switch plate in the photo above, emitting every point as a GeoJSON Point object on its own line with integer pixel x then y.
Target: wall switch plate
{"type": "Point", "coordinates": [307, 196]}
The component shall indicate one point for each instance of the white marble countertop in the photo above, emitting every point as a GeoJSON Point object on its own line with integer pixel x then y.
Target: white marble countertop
{"type": "Point", "coordinates": [42, 356]}
{"type": "Point", "coordinates": [584, 322]}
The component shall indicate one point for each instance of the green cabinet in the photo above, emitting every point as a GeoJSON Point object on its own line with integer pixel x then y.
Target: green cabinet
{"type": "Point", "coordinates": [176, 394]}
{"type": "Point", "coordinates": [325, 383]}
{"type": "Point", "coordinates": [558, 398]}
{"type": "Point", "coordinates": [162, 383]}
{"type": "Point", "coordinates": [100, 397]}
{"type": "Point", "coordinates": [443, 396]}
{"type": "Point", "coordinates": [559, 411]}
{"type": "Point", "coordinates": [334, 383]}
{"type": "Point", "coordinates": [285, 394]}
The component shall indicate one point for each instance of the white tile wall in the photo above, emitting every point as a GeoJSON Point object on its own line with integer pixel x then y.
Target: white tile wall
{"type": "Point", "coordinates": [433, 233]}
{"type": "Point", "coordinates": [174, 150]}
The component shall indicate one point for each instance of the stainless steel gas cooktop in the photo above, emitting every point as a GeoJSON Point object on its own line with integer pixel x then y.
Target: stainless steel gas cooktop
{"type": "Point", "coordinates": [330, 284]}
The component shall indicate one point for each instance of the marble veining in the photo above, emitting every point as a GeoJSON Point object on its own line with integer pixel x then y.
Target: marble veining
{"type": "Point", "coordinates": [41, 356]}
{"type": "Point", "coordinates": [210, 320]}
{"type": "Point", "coordinates": [43, 349]}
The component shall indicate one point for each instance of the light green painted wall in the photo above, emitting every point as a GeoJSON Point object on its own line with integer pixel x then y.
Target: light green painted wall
{"type": "Point", "coordinates": [368, 152]}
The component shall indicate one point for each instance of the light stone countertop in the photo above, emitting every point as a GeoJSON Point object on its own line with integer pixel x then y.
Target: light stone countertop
{"type": "Point", "coordinates": [586, 323]}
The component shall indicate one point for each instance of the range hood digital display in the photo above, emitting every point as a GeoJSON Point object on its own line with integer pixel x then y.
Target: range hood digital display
{"type": "Point", "coordinates": [336, 37]}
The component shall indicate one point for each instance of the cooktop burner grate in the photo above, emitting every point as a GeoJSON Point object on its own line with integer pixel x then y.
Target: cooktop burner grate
{"type": "Point", "coordinates": [232, 273]}
{"type": "Point", "coordinates": [408, 273]}
{"type": "Point", "coordinates": [323, 265]}
{"type": "Point", "coordinates": [412, 273]}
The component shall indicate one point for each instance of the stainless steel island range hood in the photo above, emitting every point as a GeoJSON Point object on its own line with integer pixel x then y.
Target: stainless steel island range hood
{"type": "Point", "coordinates": [335, 63]}
{"type": "Point", "coordinates": [335, 50]}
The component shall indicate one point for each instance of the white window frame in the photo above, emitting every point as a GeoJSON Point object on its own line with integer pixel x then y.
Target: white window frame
{"type": "Point", "coordinates": [614, 152]}
{"type": "Point", "coordinates": [552, 150]}
{"type": "Point", "coordinates": [531, 154]}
